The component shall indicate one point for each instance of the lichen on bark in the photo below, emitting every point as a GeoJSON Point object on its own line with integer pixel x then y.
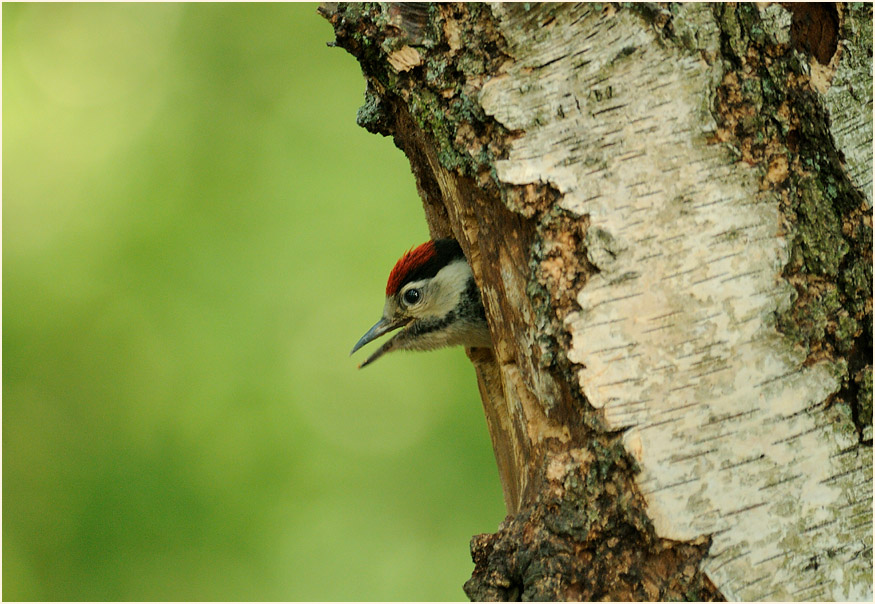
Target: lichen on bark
{"type": "Point", "coordinates": [438, 92]}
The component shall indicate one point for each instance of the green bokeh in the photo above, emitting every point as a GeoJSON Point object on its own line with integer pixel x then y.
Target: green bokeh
{"type": "Point", "coordinates": [195, 234]}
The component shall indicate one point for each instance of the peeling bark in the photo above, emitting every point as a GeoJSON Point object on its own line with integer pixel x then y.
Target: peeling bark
{"type": "Point", "coordinates": [668, 211]}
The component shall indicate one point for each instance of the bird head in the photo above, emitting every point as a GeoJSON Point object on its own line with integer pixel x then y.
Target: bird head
{"type": "Point", "coordinates": [432, 298]}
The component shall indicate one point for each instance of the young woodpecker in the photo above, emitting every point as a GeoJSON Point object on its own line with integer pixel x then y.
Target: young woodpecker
{"type": "Point", "coordinates": [431, 293]}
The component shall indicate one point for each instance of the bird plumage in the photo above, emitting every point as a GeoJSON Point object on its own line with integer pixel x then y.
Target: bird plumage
{"type": "Point", "coordinates": [432, 295]}
{"type": "Point", "coordinates": [421, 262]}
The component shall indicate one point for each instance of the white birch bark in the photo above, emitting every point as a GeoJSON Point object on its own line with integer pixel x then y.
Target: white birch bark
{"type": "Point", "coordinates": [848, 98]}
{"type": "Point", "coordinates": [676, 338]}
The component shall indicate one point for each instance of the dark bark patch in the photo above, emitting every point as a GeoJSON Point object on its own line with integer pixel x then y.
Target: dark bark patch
{"type": "Point", "coordinates": [586, 538]}
{"type": "Point", "coordinates": [411, 17]}
{"type": "Point", "coordinates": [814, 29]}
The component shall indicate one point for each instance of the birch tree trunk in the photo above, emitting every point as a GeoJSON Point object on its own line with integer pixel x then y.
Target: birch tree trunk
{"type": "Point", "coordinates": [668, 211]}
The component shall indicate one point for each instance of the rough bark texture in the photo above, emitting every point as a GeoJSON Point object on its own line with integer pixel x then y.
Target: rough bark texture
{"type": "Point", "coordinates": [668, 211]}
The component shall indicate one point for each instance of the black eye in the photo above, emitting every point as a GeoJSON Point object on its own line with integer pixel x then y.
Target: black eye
{"type": "Point", "coordinates": [412, 296]}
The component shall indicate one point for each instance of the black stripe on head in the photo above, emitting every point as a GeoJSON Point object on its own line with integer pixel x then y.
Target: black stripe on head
{"type": "Point", "coordinates": [446, 251]}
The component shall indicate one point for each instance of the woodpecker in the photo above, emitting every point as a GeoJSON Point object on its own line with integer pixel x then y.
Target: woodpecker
{"type": "Point", "coordinates": [432, 295]}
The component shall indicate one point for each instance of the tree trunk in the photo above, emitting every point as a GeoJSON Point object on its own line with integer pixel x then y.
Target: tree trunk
{"type": "Point", "coordinates": [668, 211]}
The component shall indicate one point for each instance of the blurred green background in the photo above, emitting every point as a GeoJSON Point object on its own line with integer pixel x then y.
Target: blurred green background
{"type": "Point", "coordinates": [195, 234]}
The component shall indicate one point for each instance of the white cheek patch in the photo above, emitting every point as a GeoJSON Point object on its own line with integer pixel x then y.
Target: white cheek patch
{"type": "Point", "coordinates": [443, 293]}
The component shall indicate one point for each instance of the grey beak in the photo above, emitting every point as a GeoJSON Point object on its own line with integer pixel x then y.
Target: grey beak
{"type": "Point", "coordinates": [382, 326]}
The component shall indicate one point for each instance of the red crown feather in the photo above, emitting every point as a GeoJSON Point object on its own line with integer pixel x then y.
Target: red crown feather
{"type": "Point", "coordinates": [412, 260]}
